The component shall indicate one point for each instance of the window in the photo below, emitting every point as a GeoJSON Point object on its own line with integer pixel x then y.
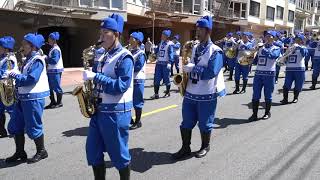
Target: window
{"type": "Point", "coordinates": [254, 9]}
{"type": "Point", "coordinates": [196, 6]}
{"type": "Point", "coordinates": [116, 4]}
{"type": "Point", "coordinates": [270, 13]}
{"type": "Point", "coordinates": [280, 12]}
{"type": "Point", "coordinates": [238, 10]}
{"type": "Point", "coordinates": [292, 1]}
{"type": "Point", "coordinates": [178, 5]}
{"type": "Point", "coordinates": [291, 16]}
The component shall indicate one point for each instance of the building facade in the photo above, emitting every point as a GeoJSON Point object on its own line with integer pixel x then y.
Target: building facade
{"type": "Point", "coordinates": [78, 21]}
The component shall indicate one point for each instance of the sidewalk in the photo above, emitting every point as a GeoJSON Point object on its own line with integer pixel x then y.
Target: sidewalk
{"type": "Point", "coordinates": [73, 76]}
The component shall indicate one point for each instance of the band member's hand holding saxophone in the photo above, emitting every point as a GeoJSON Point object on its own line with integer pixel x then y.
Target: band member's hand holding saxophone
{"type": "Point", "coordinates": [205, 84]}
{"type": "Point", "coordinates": [33, 88]}
{"type": "Point", "coordinates": [8, 62]}
{"type": "Point", "coordinates": [265, 75]}
{"type": "Point", "coordinates": [109, 126]}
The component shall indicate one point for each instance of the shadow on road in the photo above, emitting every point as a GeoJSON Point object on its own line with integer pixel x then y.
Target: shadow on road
{"type": "Point", "coordinates": [143, 161]}
{"type": "Point", "coordinates": [225, 122]}
{"type": "Point", "coordinates": [83, 131]}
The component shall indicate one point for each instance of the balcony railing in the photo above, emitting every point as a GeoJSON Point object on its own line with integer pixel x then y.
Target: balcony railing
{"type": "Point", "coordinates": [96, 4]}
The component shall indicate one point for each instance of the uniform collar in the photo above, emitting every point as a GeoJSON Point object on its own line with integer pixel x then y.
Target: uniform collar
{"type": "Point", "coordinates": [115, 49]}
{"type": "Point", "coordinates": [33, 53]}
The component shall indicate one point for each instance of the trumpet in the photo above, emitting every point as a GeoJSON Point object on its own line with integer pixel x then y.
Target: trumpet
{"type": "Point", "coordinates": [247, 57]}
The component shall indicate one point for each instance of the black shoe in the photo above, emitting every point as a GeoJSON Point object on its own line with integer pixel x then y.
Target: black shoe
{"type": "Point", "coordinates": [314, 82]}
{"type": "Point", "coordinates": [125, 173]}
{"type": "Point", "coordinates": [166, 94]}
{"type": "Point", "coordinates": [59, 100]}
{"type": "Point", "coordinates": [3, 131]}
{"type": "Point", "coordinates": [285, 96]}
{"type": "Point", "coordinates": [167, 91]}
{"type": "Point", "coordinates": [41, 152]}
{"type": "Point", "coordinates": [185, 150]}
{"type": "Point", "coordinates": [255, 107]}
{"type": "Point", "coordinates": [136, 125]}
{"type": "Point", "coordinates": [296, 96]}
{"type": "Point", "coordinates": [20, 154]}
{"type": "Point", "coordinates": [52, 105]}
{"type": "Point", "coordinates": [244, 86]}
{"type": "Point", "coordinates": [267, 113]}
{"type": "Point", "coordinates": [237, 90]}
{"type": "Point", "coordinates": [266, 116]}
{"type": "Point", "coordinates": [53, 101]}
{"type": "Point", "coordinates": [205, 145]}
{"type": "Point", "coordinates": [99, 172]}
{"type": "Point", "coordinates": [155, 96]}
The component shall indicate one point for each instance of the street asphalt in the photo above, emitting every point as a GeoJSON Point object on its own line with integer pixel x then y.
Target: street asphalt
{"type": "Point", "coordinates": [287, 146]}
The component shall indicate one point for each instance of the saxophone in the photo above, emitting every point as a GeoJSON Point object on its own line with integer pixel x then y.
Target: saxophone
{"type": "Point", "coordinates": [181, 80]}
{"type": "Point", "coordinates": [7, 87]}
{"type": "Point", "coordinates": [85, 93]}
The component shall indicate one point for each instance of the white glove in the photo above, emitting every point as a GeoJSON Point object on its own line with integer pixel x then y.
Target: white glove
{"type": "Point", "coordinates": [189, 67]}
{"type": "Point", "coordinates": [88, 75]}
{"type": "Point", "coordinates": [168, 66]}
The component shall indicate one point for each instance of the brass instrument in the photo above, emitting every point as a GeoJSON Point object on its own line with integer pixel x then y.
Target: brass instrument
{"type": "Point", "coordinates": [7, 87]}
{"type": "Point", "coordinates": [181, 79]}
{"type": "Point", "coordinates": [282, 60]}
{"type": "Point", "coordinates": [152, 57]}
{"type": "Point", "coordinates": [85, 93]}
{"type": "Point", "coordinates": [231, 52]}
{"type": "Point", "coordinates": [220, 40]}
{"type": "Point", "coordinates": [247, 56]}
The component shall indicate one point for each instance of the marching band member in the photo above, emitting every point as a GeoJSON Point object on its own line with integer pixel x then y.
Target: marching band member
{"type": "Point", "coordinates": [109, 126]}
{"type": "Point", "coordinates": [316, 67]}
{"type": "Point", "coordinates": [140, 59]}
{"type": "Point", "coordinates": [54, 71]}
{"type": "Point", "coordinates": [6, 54]}
{"type": "Point", "coordinates": [238, 37]}
{"type": "Point", "coordinates": [231, 63]}
{"type": "Point", "coordinates": [311, 44]}
{"type": "Point", "coordinates": [205, 84]}
{"type": "Point", "coordinates": [165, 54]}
{"type": "Point", "coordinates": [176, 49]}
{"type": "Point", "coordinates": [265, 75]}
{"type": "Point", "coordinates": [295, 70]}
{"type": "Point", "coordinates": [33, 88]}
{"type": "Point", "coordinates": [243, 70]}
{"type": "Point", "coordinates": [279, 43]}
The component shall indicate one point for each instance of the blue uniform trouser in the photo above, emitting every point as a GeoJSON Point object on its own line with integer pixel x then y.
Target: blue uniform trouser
{"type": "Point", "coordinates": [201, 112]}
{"type": "Point", "coordinates": [231, 63]}
{"type": "Point", "coordinates": [298, 77]}
{"type": "Point", "coordinates": [161, 73]}
{"type": "Point", "coordinates": [138, 90]}
{"type": "Point", "coordinates": [277, 71]}
{"type": "Point", "coordinates": [316, 68]}
{"type": "Point", "coordinates": [26, 117]}
{"type": "Point", "coordinates": [54, 82]}
{"type": "Point", "coordinates": [266, 82]}
{"type": "Point", "coordinates": [309, 57]}
{"type": "Point", "coordinates": [241, 70]}
{"type": "Point", "coordinates": [175, 63]}
{"type": "Point", "coordinates": [4, 108]}
{"type": "Point", "coordinates": [109, 132]}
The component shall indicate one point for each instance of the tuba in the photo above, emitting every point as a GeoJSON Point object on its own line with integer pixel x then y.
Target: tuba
{"type": "Point", "coordinates": [7, 87]}
{"type": "Point", "coordinates": [181, 79]}
{"type": "Point", "coordinates": [85, 93]}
